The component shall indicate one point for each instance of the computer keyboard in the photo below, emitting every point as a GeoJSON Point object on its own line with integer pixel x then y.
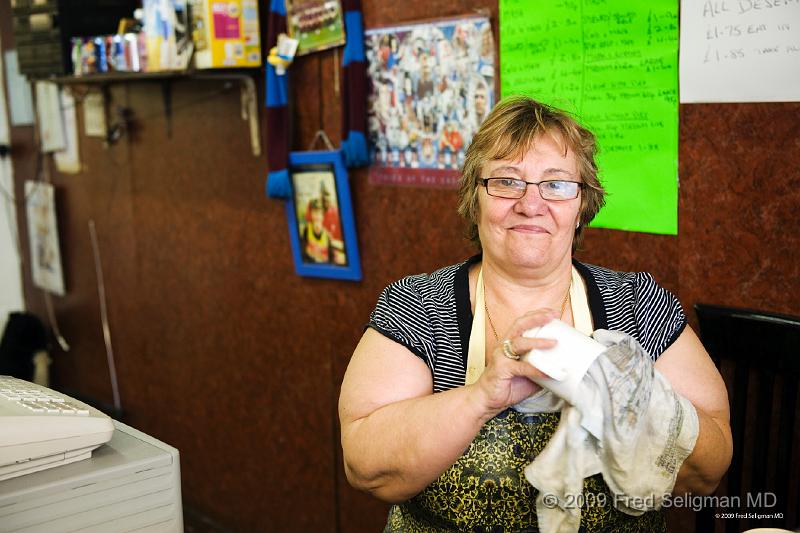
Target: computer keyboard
{"type": "Point", "coordinates": [41, 428]}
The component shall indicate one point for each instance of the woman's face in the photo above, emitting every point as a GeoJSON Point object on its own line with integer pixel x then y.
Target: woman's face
{"type": "Point", "coordinates": [530, 231]}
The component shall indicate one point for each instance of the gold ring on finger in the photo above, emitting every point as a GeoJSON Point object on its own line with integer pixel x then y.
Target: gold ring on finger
{"type": "Point", "coordinates": [508, 350]}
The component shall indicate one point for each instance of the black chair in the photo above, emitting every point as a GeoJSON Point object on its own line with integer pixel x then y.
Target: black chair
{"type": "Point", "coordinates": [23, 336]}
{"type": "Point", "coordinates": [758, 354]}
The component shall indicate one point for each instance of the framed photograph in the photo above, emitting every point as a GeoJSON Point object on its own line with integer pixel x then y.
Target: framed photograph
{"type": "Point", "coordinates": [320, 217]}
{"type": "Point", "coordinates": [316, 24]}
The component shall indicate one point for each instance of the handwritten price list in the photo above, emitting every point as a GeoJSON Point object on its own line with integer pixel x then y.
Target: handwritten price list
{"type": "Point", "coordinates": [614, 64]}
{"type": "Point", "coordinates": [740, 50]}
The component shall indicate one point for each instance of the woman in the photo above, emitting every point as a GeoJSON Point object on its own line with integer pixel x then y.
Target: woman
{"type": "Point", "coordinates": [426, 401]}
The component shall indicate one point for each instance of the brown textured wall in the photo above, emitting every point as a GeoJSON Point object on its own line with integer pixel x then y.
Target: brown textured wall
{"type": "Point", "coordinates": [223, 352]}
{"type": "Point", "coordinates": [739, 231]}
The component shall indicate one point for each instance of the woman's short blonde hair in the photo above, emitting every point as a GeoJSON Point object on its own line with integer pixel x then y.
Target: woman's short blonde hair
{"type": "Point", "coordinates": [508, 133]}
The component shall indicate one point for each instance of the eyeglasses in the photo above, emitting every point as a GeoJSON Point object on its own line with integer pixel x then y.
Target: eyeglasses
{"type": "Point", "coordinates": [514, 188]}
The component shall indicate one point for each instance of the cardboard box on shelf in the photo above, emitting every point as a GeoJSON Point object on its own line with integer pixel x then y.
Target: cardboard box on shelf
{"type": "Point", "coordinates": [167, 31]}
{"type": "Point", "coordinates": [226, 34]}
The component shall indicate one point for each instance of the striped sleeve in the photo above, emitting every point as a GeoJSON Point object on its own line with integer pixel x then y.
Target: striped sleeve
{"type": "Point", "coordinates": [634, 303]}
{"type": "Point", "coordinates": [419, 312]}
{"type": "Point", "coordinates": [658, 313]}
{"type": "Point", "coordinates": [400, 315]}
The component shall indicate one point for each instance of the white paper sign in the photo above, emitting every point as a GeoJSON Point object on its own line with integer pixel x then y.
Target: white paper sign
{"type": "Point", "coordinates": [43, 234]}
{"type": "Point", "coordinates": [20, 99]}
{"type": "Point", "coordinates": [740, 51]}
{"type": "Point", "coordinates": [10, 263]}
{"type": "Point", "coordinates": [51, 123]}
{"type": "Point", "coordinates": [94, 115]}
{"type": "Point", "coordinates": [68, 160]}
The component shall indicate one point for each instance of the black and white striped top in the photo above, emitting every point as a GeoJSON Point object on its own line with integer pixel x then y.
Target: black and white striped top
{"type": "Point", "coordinates": [431, 315]}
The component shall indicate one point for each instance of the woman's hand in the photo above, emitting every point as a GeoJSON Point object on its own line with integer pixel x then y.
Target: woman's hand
{"type": "Point", "coordinates": [505, 381]}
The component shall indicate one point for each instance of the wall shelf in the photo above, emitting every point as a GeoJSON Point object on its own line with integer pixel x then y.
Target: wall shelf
{"type": "Point", "coordinates": [129, 77]}
{"type": "Point", "coordinates": [244, 76]}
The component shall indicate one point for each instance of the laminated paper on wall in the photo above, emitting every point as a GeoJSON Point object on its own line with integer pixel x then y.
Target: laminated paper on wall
{"type": "Point", "coordinates": [43, 233]}
{"type": "Point", "coordinates": [226, 34]}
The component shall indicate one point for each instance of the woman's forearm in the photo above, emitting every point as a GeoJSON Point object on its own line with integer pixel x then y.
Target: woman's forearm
{"type": "Point", "coordinates": [397, 435]}
{"type": "Point", "coordinates": [400, 448]}
{"type": "Point", "coordinates": [708, 462]}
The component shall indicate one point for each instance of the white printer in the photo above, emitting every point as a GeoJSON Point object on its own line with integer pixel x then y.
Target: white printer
{"type": "Point", "coordinates": [132, 482]}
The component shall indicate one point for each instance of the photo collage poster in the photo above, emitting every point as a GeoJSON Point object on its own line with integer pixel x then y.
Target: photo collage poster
{"type": "Point", "coordinates": [431, 85]}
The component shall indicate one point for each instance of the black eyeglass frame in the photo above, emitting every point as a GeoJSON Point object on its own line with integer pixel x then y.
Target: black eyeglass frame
{"type": "Point", "coordinates": [485, 183]}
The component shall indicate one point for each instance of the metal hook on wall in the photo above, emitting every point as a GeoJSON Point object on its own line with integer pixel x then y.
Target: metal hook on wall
{"type": "Point", "coordinates": [321, 135]}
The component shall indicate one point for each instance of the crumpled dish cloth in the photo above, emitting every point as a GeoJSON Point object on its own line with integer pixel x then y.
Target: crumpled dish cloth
{"type": "Point", "coordinates": [624, 421]}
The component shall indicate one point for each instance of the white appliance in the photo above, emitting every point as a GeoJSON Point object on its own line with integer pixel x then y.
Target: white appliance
{"type": "Point", "coordinates": [132, 482]}
{"type": "Point", "coordinates": [41, 428]}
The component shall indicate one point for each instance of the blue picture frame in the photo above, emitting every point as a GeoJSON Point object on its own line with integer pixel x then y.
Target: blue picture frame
{"type": "Point", "coordinates": [320, 217]}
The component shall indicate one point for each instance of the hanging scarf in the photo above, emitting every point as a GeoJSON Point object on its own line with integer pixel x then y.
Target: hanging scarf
{"type": "Point", "coordinates": [354, 95]}
{"type": "Point", "coordinates": [278, 185]}
{"type": "Point", "coordinates": [354, 119]}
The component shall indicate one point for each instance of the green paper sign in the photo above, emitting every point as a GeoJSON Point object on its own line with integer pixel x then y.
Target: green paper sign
{"type": "Point", "coordinates": [614, 64]}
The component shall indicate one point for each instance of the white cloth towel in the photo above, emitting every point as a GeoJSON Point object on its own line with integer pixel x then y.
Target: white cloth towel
{"type": "Point", "coordinates": [625, 421]}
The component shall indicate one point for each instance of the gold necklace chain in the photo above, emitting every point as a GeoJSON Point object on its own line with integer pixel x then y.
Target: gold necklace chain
{"type": "Point", "coordinates": [486, 308]}
{"type": "Point", "coordinates": [491, 323]}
